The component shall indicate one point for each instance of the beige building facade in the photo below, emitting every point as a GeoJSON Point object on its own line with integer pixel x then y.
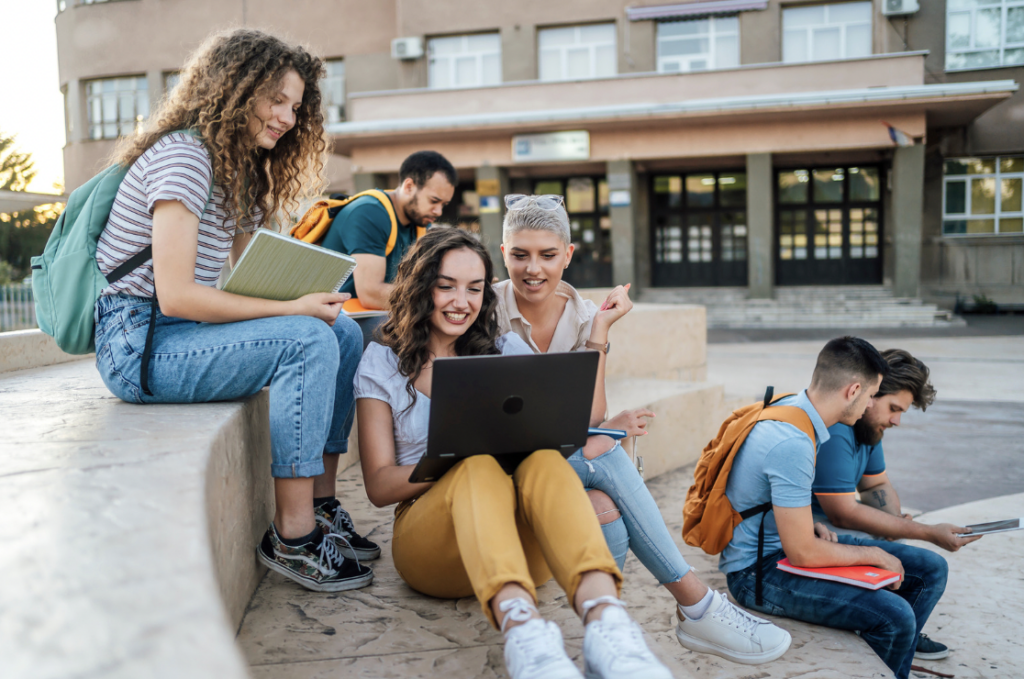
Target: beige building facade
{"type": "Point", "coordinates": [741, 143]}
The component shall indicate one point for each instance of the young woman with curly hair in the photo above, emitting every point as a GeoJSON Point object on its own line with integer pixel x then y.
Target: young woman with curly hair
{"type": "Point", "coordinates": [479, 530]}
{"type": "Point", "coordinates": [551, 316]}
{"type": "Point", "coordinates": [240, 136]}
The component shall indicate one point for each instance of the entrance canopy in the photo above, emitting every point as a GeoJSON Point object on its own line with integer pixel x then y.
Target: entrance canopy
{"type": "Point", "coordinates": [763, 108]}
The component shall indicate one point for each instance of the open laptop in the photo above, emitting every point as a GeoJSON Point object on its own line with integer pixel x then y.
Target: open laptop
{"type": "Point", "coordinates": [508, 407]}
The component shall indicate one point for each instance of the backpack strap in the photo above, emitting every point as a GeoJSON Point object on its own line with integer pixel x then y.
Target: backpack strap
{"type": "Point", "coordinates": [799, 419]}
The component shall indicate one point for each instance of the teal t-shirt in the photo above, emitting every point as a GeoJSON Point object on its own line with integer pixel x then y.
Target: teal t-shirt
{"type": "Point", "coordinates": [842, 462]}
{"type": "Point", "coordinates": [363, 228]}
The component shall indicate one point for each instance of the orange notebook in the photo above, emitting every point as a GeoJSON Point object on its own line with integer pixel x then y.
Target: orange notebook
{"type": "Point", "coordinates": [353, 309]}
{"type": "Point", "coordinates": [867, 577]}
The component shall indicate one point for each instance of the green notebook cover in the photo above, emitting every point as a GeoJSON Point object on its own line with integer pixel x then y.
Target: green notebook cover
{"type": "Point", "coordinates": [283, 268]}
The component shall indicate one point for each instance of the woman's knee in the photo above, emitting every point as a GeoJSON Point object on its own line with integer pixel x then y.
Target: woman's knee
{"type": "Point", "coordinates": [349, 337]}
{"type": "Point", "coordinates": [481, 469]}
{"type": "Point", "coordinates": [605, 508]}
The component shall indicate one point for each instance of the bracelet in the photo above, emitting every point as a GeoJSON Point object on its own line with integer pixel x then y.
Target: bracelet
{"type": "Point", "coordinates": [604, 348]}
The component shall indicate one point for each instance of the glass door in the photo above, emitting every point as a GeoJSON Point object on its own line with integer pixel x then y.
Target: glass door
{"type": "Point", "coordinates": [590, 224]}
{"type": "Point", "coordinates": [828, 226]}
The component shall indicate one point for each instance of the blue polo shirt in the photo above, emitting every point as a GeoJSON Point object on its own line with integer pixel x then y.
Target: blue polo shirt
{"type": "Point", "coordinates": [776, 464]}
{"type": "Point", "coordinates": [842, 462]}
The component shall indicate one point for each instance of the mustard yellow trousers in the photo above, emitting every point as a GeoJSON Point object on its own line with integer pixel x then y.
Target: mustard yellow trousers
{"type": "Point", "coordinates": [479, 529]}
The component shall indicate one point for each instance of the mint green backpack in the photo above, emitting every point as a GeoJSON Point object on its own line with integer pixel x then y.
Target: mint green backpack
{"type": "Point", "coordinates": [66, 280]}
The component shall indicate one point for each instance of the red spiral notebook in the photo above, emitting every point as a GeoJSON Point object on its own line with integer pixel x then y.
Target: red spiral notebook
{"type": "Point", "coordinates": [868, 577]}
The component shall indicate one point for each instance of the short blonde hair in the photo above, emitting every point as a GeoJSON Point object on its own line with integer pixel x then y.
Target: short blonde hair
{"type": "Point", "coordinates": [535, 218]}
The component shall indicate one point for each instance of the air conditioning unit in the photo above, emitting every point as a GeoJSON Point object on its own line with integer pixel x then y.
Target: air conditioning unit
{"type": "Point", "coordinates": [891, 8]}
{"type": "Point", "coordinates": [407, 48]}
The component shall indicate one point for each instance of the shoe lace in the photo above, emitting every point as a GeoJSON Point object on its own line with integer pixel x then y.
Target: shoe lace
{"type": "Point", "coordinates": [737, 617]}
{"type": "Point", "coordinates": [628, 640]}
{"type": "Point", "coordinates": [536, 645]}
{"type": "Point", "coordinates": [517, 610]}
{"type": "Point", "coordinates": [329, 551]}
{"type": "Point", "coordinates": [343, 523]}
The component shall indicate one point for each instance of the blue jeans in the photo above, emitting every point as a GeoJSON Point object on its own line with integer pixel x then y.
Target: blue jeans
{"type": "Point", "coordinates": [640, 527]}
{"type": "Point", "coordinates": [308, 365]}
{"type": "Point", "coordinates": [890, 621]}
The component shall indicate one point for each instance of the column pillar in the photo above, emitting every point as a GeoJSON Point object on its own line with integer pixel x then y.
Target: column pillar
{"type": "Point", "coordinates": [760, 231]}
{"type": "Point", "coordinates": [622, 187]}
{"type": "Point", "coordinates": [907, 206]}
{"type": "Point", "coordinates": [491, 186]}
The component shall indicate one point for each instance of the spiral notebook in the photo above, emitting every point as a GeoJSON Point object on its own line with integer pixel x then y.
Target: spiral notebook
{"type": "Point", "coordinates": [279, 267]}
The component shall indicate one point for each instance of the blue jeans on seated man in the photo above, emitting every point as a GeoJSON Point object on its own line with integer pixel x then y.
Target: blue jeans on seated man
{"type": "Point", "coordinates": [308, 365]}
{"type": "Point", "coordinates": [640, 526]}
{"type": "Point", "coordinates": [890, 621]}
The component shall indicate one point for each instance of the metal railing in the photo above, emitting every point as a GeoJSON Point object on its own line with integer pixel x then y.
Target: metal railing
{"type": "Point", "coordinates": [17, 308]}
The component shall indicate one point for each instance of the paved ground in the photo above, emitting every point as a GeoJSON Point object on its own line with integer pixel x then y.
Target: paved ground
{"type": "Point", "coordinates": [966, 447]}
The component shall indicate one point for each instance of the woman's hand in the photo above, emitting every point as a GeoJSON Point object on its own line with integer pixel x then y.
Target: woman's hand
{"type": "Point", "coordinates": [614, 307]}
{"type": "Point", "coordinates": [323, 305]}
{"type": "Point", "coordinates": [633, 422]}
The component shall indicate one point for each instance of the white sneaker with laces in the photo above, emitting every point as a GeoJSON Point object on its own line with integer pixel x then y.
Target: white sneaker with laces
{"type": "Point", "coordinates": [614, 646]}
{"type": "Point", "coordinates": [534, 650]}
{"type": "Point", "coordinates": [728, 631]}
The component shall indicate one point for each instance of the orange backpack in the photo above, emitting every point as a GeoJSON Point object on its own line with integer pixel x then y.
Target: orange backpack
{"type": "Point", "coordinates": [708, 516]}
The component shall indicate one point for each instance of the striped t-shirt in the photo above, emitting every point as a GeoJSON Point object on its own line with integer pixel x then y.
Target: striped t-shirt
{"type": "Point", "coordinates": [177, 167]}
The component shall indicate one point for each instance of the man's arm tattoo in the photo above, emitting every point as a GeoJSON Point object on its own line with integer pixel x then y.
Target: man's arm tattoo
{"type": "Point", "coordinates": [879, 496]}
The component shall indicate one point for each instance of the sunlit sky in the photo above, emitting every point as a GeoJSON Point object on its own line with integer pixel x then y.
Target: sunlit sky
{"type": "Point", "coordinates": [31, 105]}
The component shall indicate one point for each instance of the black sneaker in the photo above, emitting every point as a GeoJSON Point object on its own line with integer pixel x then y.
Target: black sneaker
{"type": "Point", "coordinates": [930, 650]}
{"type": "Point", "coordinates": [317, 565]}
{"type": "Point", "coordinates": [333, 519]}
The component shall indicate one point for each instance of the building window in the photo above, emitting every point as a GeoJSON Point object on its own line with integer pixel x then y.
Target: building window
{"type": "Point", "coordinates": [577, 52]}
{"type": "Point", "coordinates": [984, 33]}
{"type": "Point", "coordinates": [332, 87]}
{"type": "Point", "coordinates": [698, 44]}
{"type": "Point", "coordinates": [116, 106]}
{"type": "Point", "coordinates": [826, 32]}
{"type": "Point", "coordinates": [464, 61]}
{"type": "Point", "coordinates": [982, 196]}
{"type": "Point", "coordinates": [171, 81]}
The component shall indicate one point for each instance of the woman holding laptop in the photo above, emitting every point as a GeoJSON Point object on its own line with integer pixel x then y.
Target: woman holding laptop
{"type": "Point", "coordinates": [240, 136]}
{"type": "Point", "coordinates": [549, 314]}
{"type": "Point", "coordinates": [478, 530]}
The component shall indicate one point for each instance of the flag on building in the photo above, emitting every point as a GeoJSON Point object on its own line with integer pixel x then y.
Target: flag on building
{"type": "Point", "coordinates": [899, 137]}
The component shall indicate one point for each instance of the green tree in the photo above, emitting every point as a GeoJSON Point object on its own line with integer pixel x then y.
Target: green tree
{"type": "Point", "coordinates": [16, 167]}
{"type": "Point", "coordinates": [23, 234]}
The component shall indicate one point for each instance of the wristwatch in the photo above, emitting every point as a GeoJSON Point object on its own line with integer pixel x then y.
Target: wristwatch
{"type": "Point", "coordinates": [606, 347]}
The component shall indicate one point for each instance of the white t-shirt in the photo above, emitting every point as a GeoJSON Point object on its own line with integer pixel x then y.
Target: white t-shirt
{"type": "Point", "coordinates": [177, 167]}
{"type": "Point", "coordinates": [378, 377]}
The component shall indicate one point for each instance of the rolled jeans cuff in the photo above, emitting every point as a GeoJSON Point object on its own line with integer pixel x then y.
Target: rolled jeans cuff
{"type": "Point", "coordinates": [336, 447]}
{"type": "Point", "coordinates": [298, 470]}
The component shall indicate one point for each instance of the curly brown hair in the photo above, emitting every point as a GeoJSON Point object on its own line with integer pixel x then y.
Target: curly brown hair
{"type": "Point", "coordinates": [909, 374]}
{"type": "Point", "coordinates": [216, 96]}
{"type": "Point", "coordinates": [407, 330]}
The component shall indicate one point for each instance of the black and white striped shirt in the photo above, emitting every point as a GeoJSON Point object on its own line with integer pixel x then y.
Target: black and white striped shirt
{"type": "Point", "coordinates": [177, 167]}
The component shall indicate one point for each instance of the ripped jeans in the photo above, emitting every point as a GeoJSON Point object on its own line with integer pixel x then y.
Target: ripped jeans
{"type": "Point", "coordinates": [640, 526]}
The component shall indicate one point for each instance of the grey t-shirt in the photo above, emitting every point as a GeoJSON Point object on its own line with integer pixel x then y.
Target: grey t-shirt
{"type": "Point", "coordinates": [378, 377]}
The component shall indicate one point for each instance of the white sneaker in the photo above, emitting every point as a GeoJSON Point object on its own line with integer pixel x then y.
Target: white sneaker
{"type": "Point", "coordinates": [535, 649]}
{"type": "Point", "coordinates": [614, 647]}
{"type": "Point", "coordinates": [729, 631]}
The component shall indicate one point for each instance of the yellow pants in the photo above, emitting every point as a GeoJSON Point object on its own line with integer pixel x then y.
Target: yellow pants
{"type": "Point", "coordinates": [479, 529]}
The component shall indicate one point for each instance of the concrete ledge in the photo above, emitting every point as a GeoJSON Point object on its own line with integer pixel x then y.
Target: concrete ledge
{"type": "Point", "coordinates": [687, 417]}
{"type": "Point", "coordinates": [23, 349]}
{"type": "Point", "coordinates": [129, 531]}
{"type": "Point", "coordinates": [657, 341]}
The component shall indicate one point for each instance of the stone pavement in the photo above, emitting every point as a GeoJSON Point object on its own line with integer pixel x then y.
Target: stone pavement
{"type": "Point", "coordinates": [389, 631]}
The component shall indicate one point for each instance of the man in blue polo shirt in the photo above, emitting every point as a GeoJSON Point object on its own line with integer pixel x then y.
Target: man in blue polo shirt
{"type": "Point", "coordinates": [852, 460]}
{"type": "Point", "coordinates": [776, 464]}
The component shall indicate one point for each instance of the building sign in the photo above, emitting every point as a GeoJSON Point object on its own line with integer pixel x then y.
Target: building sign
{"type": "Point", "coordinates": [551, 146]}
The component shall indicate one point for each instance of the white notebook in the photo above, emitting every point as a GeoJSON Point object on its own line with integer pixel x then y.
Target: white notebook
{"type": "Point", "coordinates": [283, 268]}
